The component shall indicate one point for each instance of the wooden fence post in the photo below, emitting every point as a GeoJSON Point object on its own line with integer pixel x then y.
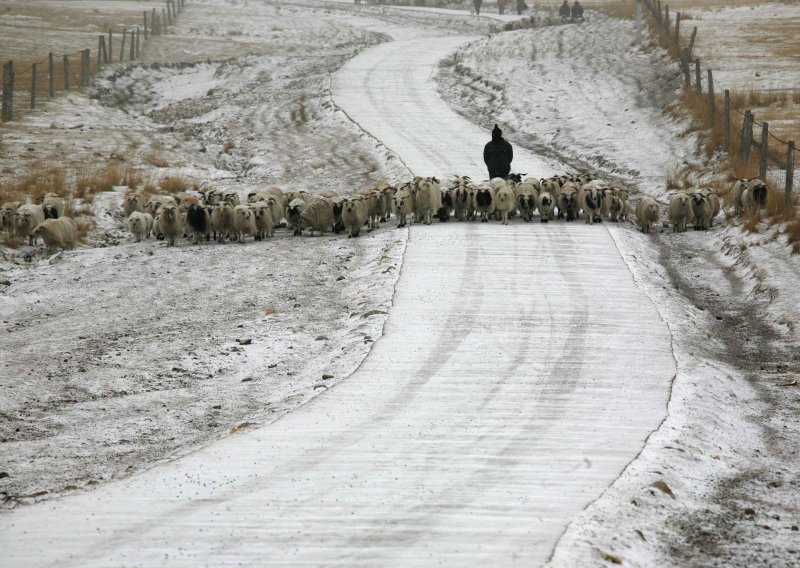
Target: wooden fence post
{"type": "Point", "coordinates": [8, 91]}
{"type": "Point", "coordinates": [658, 12]}
{"type": "Point", "coordinates": [666, 19]}
{"type": "Point", "coordinates": [762, 162]}
{"type": "Point", "coordinates": [137, 41]}
{"type": "Point", "coordinates": [33, 86]}
{"type": "Point", "coordinates": [110, 51]}
{"type": "Point", "coordinates": [685, 68]}
{"type": "Point", "coordinates": [726, 121]}
{"type": "Point", "coordinates": [132, 51]}
{"type": "Point", "coordinates": [99, 51]}
{"type": "Point", "coordinates": [51, 69]}
{"type": "Point", "coordinates": [165, 19]}
{"type": "Point", "coordinates": [747, 136]}
{"type": "Point", "coordinates": [84, 76]}
{"type": "Point", "coordinates": [787, 195]}
{"type": "Point", "coordinates": [122, 50]}
{"type": "Point", "coordinates": [712, 102]}
{"type": "Point", "coordinates": [697, 84]}
{"type": "Point", "coordinates": [691, 40]}
{"type": "Point", "coordinates": [66, 72]}
{"type": "Point", "coordinates": [677, 29]}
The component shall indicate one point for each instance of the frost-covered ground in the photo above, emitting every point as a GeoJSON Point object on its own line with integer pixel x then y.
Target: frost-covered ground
{"type": "Point", "coordinates": [580, 94]}
{"type": "Point", "coordinates": [726, 450]}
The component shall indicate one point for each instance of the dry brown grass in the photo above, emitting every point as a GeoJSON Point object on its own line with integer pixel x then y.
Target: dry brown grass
{"type": "Point", "coordinates": [34, 184]}
{"type": "Point", "coordinates": [90, 181]}
{"type": "Point", "coordinates": [156, 161]}
{"type": "Point", "coordinates": [132, 178]}
{"type": "Point", "coordinates": [792, 231]}
{"type": "Point", "coordinates": [173, 184]}
{"type": "Point", "coordinates": [750, 221]}
{"type": "Point", "coordinates": [228, 146]}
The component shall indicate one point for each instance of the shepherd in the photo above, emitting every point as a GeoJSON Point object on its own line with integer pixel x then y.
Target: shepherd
{"type": "Point", "coordinates": [498, 155]}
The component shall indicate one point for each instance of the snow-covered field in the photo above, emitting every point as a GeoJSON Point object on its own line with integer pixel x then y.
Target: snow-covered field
{"type": "Point", "coordinates": [117, 357]}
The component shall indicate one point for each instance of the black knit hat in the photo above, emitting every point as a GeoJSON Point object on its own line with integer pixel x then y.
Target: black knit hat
{"type": "Point", "coordinates": [496, 133]}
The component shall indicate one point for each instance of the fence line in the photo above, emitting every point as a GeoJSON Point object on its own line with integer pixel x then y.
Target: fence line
{"type": "Point", "coordinates": [747, 140]}
{"type": "Point", "coordinates": [154, 23]}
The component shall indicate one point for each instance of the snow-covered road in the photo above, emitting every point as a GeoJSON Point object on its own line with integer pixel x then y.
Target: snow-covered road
{"type": "Point", "coordinates": [520, 371]}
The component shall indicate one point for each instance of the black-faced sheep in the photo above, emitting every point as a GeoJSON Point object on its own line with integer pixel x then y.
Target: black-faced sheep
{"type": "Point", "coordinates": [26, 217]}
{"type": "Point", "coordinates": [294, 221]}
{"type": "Point", "coordinates": [591, 198]}
{"type": "Point", "coordinates": [526, 203]}
{"type": "Point", "coordinates": [198, 220]}
{"type": "Point", "coordinates": [680, 212]}
{"type": "Point", "coordinates": [568, 203]}
{"type": "Point", "coordinates": [170, 223]}
{"type": "Point", "coordinates": [140, 224]}
{"type": "Point", "coordinates": [754, 196]}
{"type": "Point", "coordinates": [547, 206]}
{"type": "Point", "coordinates": [702, 211]}
{"type": "Point", "coordinates": [647, 213]}
{"type": "Point", "coordinates": [61, 233]}
{"type": "Point", "coordinates": [484, 203]}
{"type": "Point", "coordinates": [52, 206]}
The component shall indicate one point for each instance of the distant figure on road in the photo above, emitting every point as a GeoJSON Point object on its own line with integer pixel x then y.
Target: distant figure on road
{"type": "Point", "coordinates": [477, 4]}
{"type": "Point", "coordinates": [577, 10]}
{"type": "Point", "coordinates": [498, 154]}
{"type": "Point", "coordinates": [521, 7]}
{"type": "Point", "coordinates": [564, 11]}
{"type": "Point", "coordinates": [501, 6]}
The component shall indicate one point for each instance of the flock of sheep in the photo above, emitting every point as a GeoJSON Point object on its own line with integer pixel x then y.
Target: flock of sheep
{"type": "Point", "coordinates": [221, 215]}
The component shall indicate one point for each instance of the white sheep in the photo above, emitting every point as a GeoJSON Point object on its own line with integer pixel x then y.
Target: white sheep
{"type": "Point", "coordinates": [318, 214]}
{"type": "Point", "coordinates": [354, 215]}
{"type": "Point", "coordinates": [140, 224]}
{"type": "Point", "coordinates": [7, 216]}
{"type": "Point", "coordinates": [222, 220]}
{"type": "Point", "coordinates": [53, 206]}
{"type": "Point", "coordinates": [170, 223]}
{"type": "Point", "coordinates": [244, 222]}
{"type": "Point", "coordinates": [401, 206]}
{"type": "Point", "coordinates": [154, 202]}
{"type": "Point", "coordinates": [265, 221]}
{"type": "Point", "coordinates": [680, 211]}
{"type": "Point", "coordinates": [504, 201]}
{"type": "Point", "coordinates": [373, 199]}
{"type": "Point", "coordinates": [57, 233]}
{"type": "Point", "coordinates": [526, 203]}
{"type": "Point", "coordinates": [26, 217]}
{"type": "Point", "coordinates": [232, 197]}
{"type": "Point", "coordinates": [618, 202]}
{"type": "Point", "coordinates": [428, 200]}
{"type": "Point", "coordinates": [647, 213]}
{"type": "Point", "coordinates": [547, 206]}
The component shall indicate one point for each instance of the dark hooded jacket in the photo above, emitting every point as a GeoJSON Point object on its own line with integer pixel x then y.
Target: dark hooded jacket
{"type": "Point", "coordinates": [498, 154]}
{"type": "Point", "coordinates": [564, 10]}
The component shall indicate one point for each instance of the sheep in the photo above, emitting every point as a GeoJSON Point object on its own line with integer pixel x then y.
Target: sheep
{"type": "Point", "coordinates": [713, 199]}
{"type": "Point", "coordinates": [53, 206]}
{"type": "Point", "coordinates": [170, 223]}
{"type": "Point", "coordinates": [198, 220]}
{"type": "Point", "coordinates": [736, 194]}
{"type": "Point", "coordinates": [222, 220]}
{"type": "Point", "coordinates": [154, 202]}
{"type": "Point", "coordinates": [280, 198]}
{"type": "Point", "coordinates": [7, 216]}
{"type": "Point", "coordinates": [374, 203]}
{"type": "Point", "coordinates": [265, 222]}
{"type": "Point", "coordinates": [231, 197]}
{"type": "Point", "coordinates": [526, 203]}
{"type": "Point", "coordinates": [504, 201]}
{"type": "Point", "coordinates": [244, 222]}
{"type": "Point", "coordinates": [428, 200]}
{"type": "Point", "coordinates": [754, 196]}
{"type": "Point", "coordinates": [621, 192]}
{"type": "Point", "coordinates": [591, 197]}
{"type": "Point", "coordinates": [680, 211]}
{"type": "Point", "coordinates": [293, 220]}
{"type": "Point", "coordinates": [568, 203]}
{"type": "Point", "coordinates": [547, 205]}
{"type": "Point", "coordinates": [387, 193]}
{"type": "Point", "coordinates": [354, 215]}
{"type": "Point", "coordinates": [484, 203]}
{"type": "Point", "coordinates": [26, 217]}
{"type": "Point", "coordinates": [448, 203]}
{"type": "Point", "coordinates": [401, 205]}
{"type": "Point", "coordinates": [140, 224]}
{"type": "Point", "coordinates": [133, 202]}
{"type": "Point", "coordinates": [702, 211]}
{"type": "Point", "coordinates": [256, 196]}
{"type": "Point", "coordinates": [57, 233]}
{"type": "Point", "coordinates": [647, 213]}
{"type": "Point", "coordinates": [461, 202]}
{"type": "Point", "coordinates": [211, 196]}
{"type": "Point", "coordinates": [318, 215]}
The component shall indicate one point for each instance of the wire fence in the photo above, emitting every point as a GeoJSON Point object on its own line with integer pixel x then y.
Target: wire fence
{"type": "Point", "coordinates": [783, 158]}
{"type": "Point", "coordinates": [24, 83]}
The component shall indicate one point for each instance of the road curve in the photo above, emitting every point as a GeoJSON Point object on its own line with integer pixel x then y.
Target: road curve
{"type": "Point", "coordinates": [521, 369]}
